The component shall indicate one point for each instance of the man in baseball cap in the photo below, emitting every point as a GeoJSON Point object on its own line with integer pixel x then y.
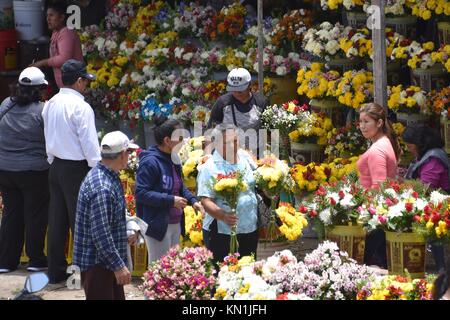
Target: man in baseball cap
{"type": "Point", "coordinates": [100, 239]}
{"type": "Point", "coordinates": [239, 80]}
{"type": "Point", "coordinates": [72, 70]}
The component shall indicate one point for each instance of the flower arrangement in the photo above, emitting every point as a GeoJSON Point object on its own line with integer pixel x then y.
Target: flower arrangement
{"type": "Point", "coordinates": [409, 100]}
{"type": "Point", "coordinates": [342, 167]}
{"type": "Point", "coordinates": [434, 222]}
{"type": "Point", "coordinates": [229, 187]}
{"type": "Point", "coordinates": [283, 118]}
{"type": "Point", "coordinates": [325, 274]}
{"type": "Point", "coordinates": [309, 177]}
{"type": "Point", "coordinates": [273, 63]}
{"type": "Point", "coordinates": [442, 56]}
{"type": "Point", "coordinates": [99, 44]}
{"type": "Point", "coordinates": [193, 19]}
{"type": "Point", "coordinates": [120, 16]}
{"type": "Point", "coordinates": [192, 165]}
{"type": "Point", "coordinates": [314, 82]}
{"type": "Point", "coordinates": [232, 58]}
{"type": "Point", "coordinates": [425, 9]}
{"type": "Point", "coordinates": [183, 274]}
{"type": "Point", "coordinates": [439, 101]}
{"type": "Point", "coordinates": [347, 140]}
{"type": "Point", "coordinates": [354, 88]}
{"type": "Point", "coordinates": [312, 128]}
{"type": "Point", "coordinates": [229, 22]}
{"type": "Point", "coordinates": [192, 145]}
{"type": "Point", "coordinates": [130, 203]}
{"type": "Point", "coordinates": [335, 204]}
{"type": "Point", "coordinates": [420, 55]}
{"type": "Point", "coordinates": [150, 18]}
{"type": "Point", "coordinates": [151, 108]}
{"type": "Point", "coordinates": [396, 287]}
{"type": "Point", "coordinates": [193, 225]}
{"type": "Point", "coordinates": [288, 32]}
{"type": "Point", "coordinates": [394, 206]}
{"type": "Point", "coordinates": [323, 42]}
{"type": "Point", "coordinates": [292, 221]}
{"type": "Point", "coordinates": [357, 44]}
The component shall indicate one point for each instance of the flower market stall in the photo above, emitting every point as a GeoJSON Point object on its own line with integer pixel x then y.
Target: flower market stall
{"type": "Point", "coordinates": [153, 59]}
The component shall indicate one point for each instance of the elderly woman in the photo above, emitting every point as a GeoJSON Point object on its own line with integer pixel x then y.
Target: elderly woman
{"type": "Point", "coordinates": [218, 221]}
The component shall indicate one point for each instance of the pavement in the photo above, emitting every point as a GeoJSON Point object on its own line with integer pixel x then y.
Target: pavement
{"type": "Point", "coordinates": [13, 282]}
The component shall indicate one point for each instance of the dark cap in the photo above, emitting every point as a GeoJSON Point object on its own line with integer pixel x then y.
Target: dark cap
{"type": "Point", "coordinates": [76, 69]}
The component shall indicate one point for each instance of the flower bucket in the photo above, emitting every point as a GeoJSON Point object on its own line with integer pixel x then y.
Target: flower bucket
{"type": "Point", "coordinates": [444, 32]}
{"type": "Point", "coordinates": [285, 89]}
{"type": "Point", "coordinates": [333, 109]}
{"type": "Point", "coordinates": [307, 152]}
{"type": "Point", "coordinates": [393, 71]}
{"type": "Point", "coordinates": [406, 251]}
{"type": "Point", "coordinates": [267, 249]}
{"type": "Point", "coordinates": [405, 25]}
{"type": "Point", "coordinates": [445, 133]}
{"type": "Point", "coordinates": [344, 64]}
{"type": "Point", "coordinates": [356, 19]}
{"type": "Point", "coordinates": [411, 118]}
{"type": "Point", "coordinates": [431, 78]}
{"type": "Point", "coordinates": [351, 239]}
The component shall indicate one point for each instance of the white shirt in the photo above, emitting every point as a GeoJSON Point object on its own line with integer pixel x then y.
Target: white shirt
{"type": "Point", "coordinates": [69, 128]}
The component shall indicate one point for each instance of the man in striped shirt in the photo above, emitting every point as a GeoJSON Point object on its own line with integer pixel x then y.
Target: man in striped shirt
{"type": "Point", "coordinates": [100, 241]}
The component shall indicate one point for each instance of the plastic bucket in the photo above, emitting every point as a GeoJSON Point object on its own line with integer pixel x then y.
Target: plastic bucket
{"type": "Point", "coordinates": [351, 239]}
{"type": "Point", "coordinates": [29, 19]}
{"type": "Point", "coordinates": [8, 50]}
{"type": "Point", "coordinates": [6, 14]}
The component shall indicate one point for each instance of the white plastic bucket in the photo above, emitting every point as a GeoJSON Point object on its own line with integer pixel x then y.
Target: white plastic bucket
{"type": "Point", "coordinates": [6, 14]}
{"type": "Point", "coordinates": [29, 19]}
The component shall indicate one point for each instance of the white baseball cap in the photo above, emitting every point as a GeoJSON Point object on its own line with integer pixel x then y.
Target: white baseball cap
{"type": "Point", "coordinates": [115, 142]}
{"type": "Point", "coordinates": [238, 80]}
{"type": "Point", "coordinates": [32, 76]}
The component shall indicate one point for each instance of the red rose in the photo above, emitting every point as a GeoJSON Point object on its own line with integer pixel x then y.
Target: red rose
{"type": "Point", "coordinates": [408, 207]}
{"type": "Point", "coordinates": [332, 201]}
{"type": "Point", "coordinates": [416, 218]}
{"type": "Point", "coordinates": [415, 195]}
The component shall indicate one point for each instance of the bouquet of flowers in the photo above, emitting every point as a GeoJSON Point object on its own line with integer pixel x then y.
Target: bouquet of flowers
{"type": "Point", "coordinates": [229, 187]}
{"type": "Point", "coordinates": [325, 274]}
{"type": "Point", "coordinates": [312, 128]}
{"type": "Point", "coordinates": [394, 207]}
{"type": "Point", "coordinates": [347, 140]}
{"type": "Point", "coordinates": [193, 19]}
{"type": "Point", "coordinates": [181, 112]}
{"type": "Point", "coordinates": [273, 176]}
{"type": "Point", "coordinates": [442, 56]}
{"type": "Point", "coordinates": [191, 167]}
{"type": "Point", "coordinates": [354, 88]}
{"type": "Point", "coordinates": [151, 108]}
{"type": "Point", "coordinates": [120, 17]}
{"type": "Point", "coordinates": [357, 43]}
{"type": "Point", "coordinates": [184, 274]}
{"type": "Point", "coordinates": [130, 202]}
{"type": "Point", "coordinates": [228, 23]}
{"type": "Point", "coordinates": [439, 102]}
{"type": "Point", "coordinates": [324, 41]}
{"type": "Point", "coordinates": [409, 100]}
{"type": "Point", "coordinates": [419, 55]}
{"type": "Point", "coordinates": [150, 18]}
{"type": "Point", "coordinates": [425, 8]}
{"type": "Point", "coordinates": [238, 280]}
{"type": "Point", "coordinates": [193, 225]}
{"type": "Point", "coordinates": [335, 204]}
{"type": "Point", "coordinates": [396, 287]}
{"type": "Point", "coordinates": [434, 222]}
{"type": "Point", "coordinates": [348, 4]}
{"type": "Point", "coordinates": [99, 44]}
{"type": "Point", "coordinates": [191, 145]}
{"type": "Point", "coordinates": [273, 63]}
{"type": "Point", "coordinates": [342, 167]}
{"type": "Point", "coordinates": [309, 177]}
{"type": "Point", "coordinates": [288, 32]}
{"type": "Point", "coordinates": [314, 82]}
{"type": "Point", "coordinates": [232, 58]}
{"type": "Point", "coordinates": [292, 221]}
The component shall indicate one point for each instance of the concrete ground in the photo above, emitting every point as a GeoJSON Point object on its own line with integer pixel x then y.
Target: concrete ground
{"type": "Point", "coordinates": [12, 283]}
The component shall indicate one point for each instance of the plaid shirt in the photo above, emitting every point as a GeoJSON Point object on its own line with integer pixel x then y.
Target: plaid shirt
{"type": "Point", "coordinates": [100, 225]}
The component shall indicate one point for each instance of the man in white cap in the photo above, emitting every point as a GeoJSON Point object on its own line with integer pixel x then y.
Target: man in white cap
{"type": "Point", "coordinates": [100, 241]}
{"type": "Point", "coordinates": [239, 106]}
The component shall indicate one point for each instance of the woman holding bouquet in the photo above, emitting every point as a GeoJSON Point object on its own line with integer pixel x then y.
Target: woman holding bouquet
{"type": "Point", "coordinates": [160, 193]}
{"type": "Point", "coordinates": [220, 223]}
{"type": "Point", "coordinates": [376, 165]}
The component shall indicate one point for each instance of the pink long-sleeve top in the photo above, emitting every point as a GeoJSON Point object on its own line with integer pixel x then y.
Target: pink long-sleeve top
{"type": "Point", "coordinates": [377, 164]}
{"type": "Point", "coordinates": [65, 44]}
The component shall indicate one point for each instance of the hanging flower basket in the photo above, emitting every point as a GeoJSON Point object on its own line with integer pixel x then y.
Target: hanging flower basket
{"type": "Point", "coordinates": [431, 78]}
{"type": "Point", "coordinates": [307, 152]}
{"type": "Point", "coordinates": [333, 109]}
{"type": "Point", "coordinates": [444, 32]}
{"type": "Point", "coordinates": [406, 251]}
{"type": "Point", "coordinates": [351, 239]}
{"type": "Point", "coordinates": [285, 89]}
{"type": "Point", "coordinates": [405, 25]}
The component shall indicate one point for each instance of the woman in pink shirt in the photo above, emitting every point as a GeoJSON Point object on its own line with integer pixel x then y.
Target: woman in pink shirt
{"type": "Point", "coordinates": [65, 43]}
{"type": "Point", "coordinates": [375, 166]}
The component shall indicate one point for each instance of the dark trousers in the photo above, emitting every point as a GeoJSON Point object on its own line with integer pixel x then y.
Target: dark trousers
{"type": "Point", "coordinates": [219, 244]}
{"type": "Point", "coordinates": [375, 250]}
{"type": "Point", "coordinates": [65, 179]}
{"type": "Point", "coordinates": [25, 197]}
{"type": "Point", "coordinates": [101, 284]}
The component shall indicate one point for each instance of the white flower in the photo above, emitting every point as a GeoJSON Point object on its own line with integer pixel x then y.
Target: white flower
{"type": "Point", "coordinates": [325, 216]}
{"type": "Point", "coordinates": [437, 197]}
{"type": "Point", "coordinates": [281, 71]}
